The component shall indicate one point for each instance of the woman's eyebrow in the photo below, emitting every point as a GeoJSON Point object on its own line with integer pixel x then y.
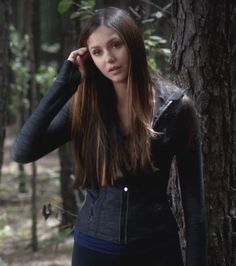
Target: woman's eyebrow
{"type": "Point", "coordinates": [115, 38]}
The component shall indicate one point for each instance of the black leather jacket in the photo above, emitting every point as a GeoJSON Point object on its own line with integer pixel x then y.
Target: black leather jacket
{"type": "Point", "coordinates": [136, 207]}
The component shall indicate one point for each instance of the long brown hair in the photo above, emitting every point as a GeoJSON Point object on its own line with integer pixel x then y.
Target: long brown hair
{"type": "Point", "coordinates": [100, 149]}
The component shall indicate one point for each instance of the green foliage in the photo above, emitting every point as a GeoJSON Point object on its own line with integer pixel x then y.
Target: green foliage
{"type": "Point", "coordinates": [64, 5]}
{"type": "Point", "coordinates": [45, 76]}
{"type": "Point", "coordinates": [51, 49]}
{"type": "Point", "coordinates": [85, 8]}
{"type": "Point", "coordinates": [155, 45]}
{"type": "Point", "coordinates": [19, 46]}
{"type": "Point", "coordinates": [20, 66]}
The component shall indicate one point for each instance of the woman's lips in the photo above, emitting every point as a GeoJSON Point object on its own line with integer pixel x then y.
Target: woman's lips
{"type": "Point", "coordinates": [113, 69]}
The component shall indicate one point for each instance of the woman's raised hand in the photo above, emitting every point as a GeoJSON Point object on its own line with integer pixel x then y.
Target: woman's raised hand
{"type": "Point", "coordinates": [78, 58]}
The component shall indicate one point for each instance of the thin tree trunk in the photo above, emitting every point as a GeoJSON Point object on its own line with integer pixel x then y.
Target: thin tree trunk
{"type": "Point", "coordinates": [22, 178]}
{"type": "Point", "coordinates": [34, 33]}
{"type": "Point", "coordinates": [71, 199]}
{"type": "Point", "coordinates": [21, 168]}
{"type": "Point", "coordinates": [18, 12]}
{"type": "Point", "coordinates": [69, 202]}
{"type": "Point", "coordinates": [201, 56]}
{"type": "Point", "coordinates": [31, 28]}
{"type": "Point", "coordinates": [4, 71]}
{"type": "Point", "coordinates": [34, 207]}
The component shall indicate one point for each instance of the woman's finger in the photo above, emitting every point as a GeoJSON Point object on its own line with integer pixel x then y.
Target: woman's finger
{"type": "Point", "coordinates": [80, 52]}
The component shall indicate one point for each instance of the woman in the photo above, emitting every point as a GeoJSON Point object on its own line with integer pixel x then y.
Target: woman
{"type": "Point", "coordinates": [126, 127]}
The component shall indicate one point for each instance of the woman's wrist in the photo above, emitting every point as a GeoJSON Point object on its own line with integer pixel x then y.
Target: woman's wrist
{"type": "Point", "coordinates": [69, 74]}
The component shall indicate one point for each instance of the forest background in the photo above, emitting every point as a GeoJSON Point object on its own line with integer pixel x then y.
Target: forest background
{"type": "Point", "coordinates": [191, 42]}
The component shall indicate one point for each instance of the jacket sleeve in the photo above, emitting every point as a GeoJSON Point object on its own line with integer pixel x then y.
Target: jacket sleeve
{"type": "Point", "coordinates": [48, 127]}
{"type": "Point", "coordinates": [190, 168]}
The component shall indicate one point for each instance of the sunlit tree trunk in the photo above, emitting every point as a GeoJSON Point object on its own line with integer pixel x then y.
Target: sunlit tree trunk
{"type": "Point", "coordinates": [203, 61]}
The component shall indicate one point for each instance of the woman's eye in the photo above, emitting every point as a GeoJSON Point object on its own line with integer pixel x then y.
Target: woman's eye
{"type": "Point", "coordinates": [116, 45]}
{"type": "Point", "coordinates": [96, 52]}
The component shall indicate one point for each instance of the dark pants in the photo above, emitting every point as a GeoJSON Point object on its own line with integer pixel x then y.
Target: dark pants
{"type": "Point", "coordinates": [169, 256]}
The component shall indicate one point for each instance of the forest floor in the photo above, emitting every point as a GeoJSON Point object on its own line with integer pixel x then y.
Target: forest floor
{"type": "Point", "coordinates": [54, 248]}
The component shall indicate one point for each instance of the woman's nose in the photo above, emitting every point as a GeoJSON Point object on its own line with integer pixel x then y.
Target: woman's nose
{"type": "Point", "coordinates": [109, 57]}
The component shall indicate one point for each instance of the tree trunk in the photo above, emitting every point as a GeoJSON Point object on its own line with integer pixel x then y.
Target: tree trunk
{"type": "Point", "coordinates": [233, 122]}
{"type": "Point", "coordinates": [18, 12]}
{"type": "Point", "coordinates": [50, 28]}
{"type": "Point", "coordinates": [22, 187]}
{"type": "Point", "coordinates": [32, 29]}
{"type": "Point", "coordinates": [22, 179]}
{"type": "Point", "coordinates": [201, 56]}
{"type": "Point", "coordinates": [4, 71]}
{"type": "Point", "coordinates": [69, 40]}
{"type": "Point", "coordinates": [69, 202]}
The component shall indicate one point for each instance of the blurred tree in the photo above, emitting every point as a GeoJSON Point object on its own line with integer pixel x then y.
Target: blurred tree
{"type": "Point", "coordinates": [32, 29]}
{"type": "Point", "coordinates": [19, 100]}
{"type": "Point", "coordinates": [69, 32]}
{"type": "Point", "coordinates": [50, 31]}
{"type": "Point", "coordinates": [4, 71]}
{"type": "Point", "coordinates": [203, 62]}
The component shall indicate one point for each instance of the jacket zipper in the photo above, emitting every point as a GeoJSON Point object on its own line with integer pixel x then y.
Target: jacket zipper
{"type": "Point", "coordinates": [124, 214]}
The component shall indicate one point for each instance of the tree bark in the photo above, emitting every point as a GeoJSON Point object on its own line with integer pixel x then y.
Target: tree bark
{"type": "Point", "coordinates": [233, 122]}
{"type": "Point", "coordinates": [201, 57]}
{"type": "Point", "coordinates": [31, 27]}
{"type": "Point", "coordinates": [50, 29]}
{"type": "Point", "coordinates": [4, 71]}
{"type": "Point", "coordinates": [69, 41]}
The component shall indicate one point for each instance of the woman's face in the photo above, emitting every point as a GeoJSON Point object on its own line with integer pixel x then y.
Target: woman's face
{"type": "Point", "coordinates": [109, 54]}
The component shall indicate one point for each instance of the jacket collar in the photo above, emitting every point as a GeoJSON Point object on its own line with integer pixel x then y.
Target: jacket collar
{"type": "Point", "coordinates": [165, 95]}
